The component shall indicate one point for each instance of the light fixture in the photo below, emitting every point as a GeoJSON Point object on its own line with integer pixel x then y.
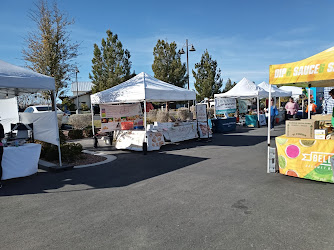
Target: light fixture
{"type": "Point", "coordinates": [181, 51]}
{"type": "Point", "coordinates": [192, 48]}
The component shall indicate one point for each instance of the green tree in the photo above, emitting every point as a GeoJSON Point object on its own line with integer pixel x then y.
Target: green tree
{"type": "Point", "coordinates": [229, 85]}
{"type": "Point", "coordinates": [167, 64]}
{"type": "Point", "coordinates": [208, 79]}
{"type": "Point", "coordinates": [111, 63]}
{"type": "Point", "coordinates": [49, 49]}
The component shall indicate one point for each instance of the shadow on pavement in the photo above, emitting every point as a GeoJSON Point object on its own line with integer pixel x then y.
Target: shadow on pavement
{"type": "Point", "coordinates": [128, 169]}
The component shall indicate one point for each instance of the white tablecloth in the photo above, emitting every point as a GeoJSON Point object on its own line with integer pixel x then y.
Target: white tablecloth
{"type": "Point", "coordinates": [133, 140]}
{"type": "Point", "coordinates": [20, 161]}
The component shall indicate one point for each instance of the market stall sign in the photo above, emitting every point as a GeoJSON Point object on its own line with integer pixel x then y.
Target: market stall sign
{"type": "Point", "coordinates": [318, 69]}
{"type": "Point", "coordinates": [225, 105]}
{"type": "Point", "coordinates": [201, 113]}
{"type": "Point", "coordinates": [305, 158]}
{"type": "Point", "coordinates": [117, 117]}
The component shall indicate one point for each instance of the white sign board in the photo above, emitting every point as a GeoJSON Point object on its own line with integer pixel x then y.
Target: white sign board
{"type": "Point", "coordinates": [201, 114]}
{"type": "Point", "coordinates": [225, 105]}
{"type": "Point", "coordinates": [204, 130]}
{"type": "Point", "coordinates": [117, 117]}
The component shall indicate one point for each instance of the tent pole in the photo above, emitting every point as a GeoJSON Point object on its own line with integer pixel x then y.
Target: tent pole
{"type": "Point", "coordinates": [269, 127]}
{"type": "Point", "coordinates": [279, 102]}
{"type": "Point", "coordinates": [258, 111]}
{"type": "Point", "coordinates": [54, 106]}
{"type": "Point", "coordinates": [309, 102]}
{"type": "Point", "coordinates": [145, 120]}
{"type": "Point", "coordinates": [92, 112]}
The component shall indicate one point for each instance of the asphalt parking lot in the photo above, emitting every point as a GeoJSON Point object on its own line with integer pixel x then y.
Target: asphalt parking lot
{"type": "Point", "coordinates": [191, 195]}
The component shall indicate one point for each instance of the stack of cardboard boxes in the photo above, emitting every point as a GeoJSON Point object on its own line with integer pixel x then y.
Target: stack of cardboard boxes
{"type": "Point", "coordinates": [318, 127]}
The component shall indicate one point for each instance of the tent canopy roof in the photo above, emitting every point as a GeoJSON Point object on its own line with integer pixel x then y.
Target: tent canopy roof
{"type": "Point", "coordinates": [16, 80]}
{"type": "Point", "coordinates": [275, 92]}
{"type": "Point", "coordinates": [133, 90]}
{"type": "Point", "coordinates": [317, 71]}
{"type": "Point", "coordinates": [246, 89]}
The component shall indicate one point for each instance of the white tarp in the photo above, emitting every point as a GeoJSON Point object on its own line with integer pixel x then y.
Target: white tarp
{"type": "Point", "coordinates": [135, 90]}
{"type": "Point", "coordinates": [275, 92]}
{"type": "Point", "coordinates": [45, 125]}
{"type": "Point", "coordinates": [20, 161]}
{"type": "Point", "coordinates": [245, 89]}
{"type": "Point", "coordinates": [8, 113]}
{"type": "Point", "coordinates": [296, 91]}
{"type": "Point", "coordinates": [16, 80]}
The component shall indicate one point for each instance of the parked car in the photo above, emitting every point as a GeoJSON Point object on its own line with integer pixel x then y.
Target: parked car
{"type": "Point", "coordinates": [210, 103]}
{"type": "Point", "coordinates": [46, 108]}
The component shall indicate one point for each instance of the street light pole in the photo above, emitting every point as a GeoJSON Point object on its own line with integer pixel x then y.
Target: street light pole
{"type": "Point", "coordinates": [181, 51]}
{"type": "Point", "coordinates": [187, 63]}
{"type": "Point", "coordinates": [76, 79]}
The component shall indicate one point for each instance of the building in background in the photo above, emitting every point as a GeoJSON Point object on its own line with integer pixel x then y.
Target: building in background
{"type": "Point", "coordinates": [83, 91]}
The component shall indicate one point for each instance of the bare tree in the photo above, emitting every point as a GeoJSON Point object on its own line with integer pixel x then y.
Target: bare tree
{"type": "Point", "coordinates": [49, 49]}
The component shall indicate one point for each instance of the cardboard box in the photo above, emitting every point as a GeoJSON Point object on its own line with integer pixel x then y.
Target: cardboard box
{"type": "Point", "coordinates": [301, 129]}
{"type": "Point", "coordinates": [320, 117]}
{"type": "Point", "coordinates": [320, 134]}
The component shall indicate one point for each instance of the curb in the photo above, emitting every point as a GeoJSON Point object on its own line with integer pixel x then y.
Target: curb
{"type": "Point", "coordinates": [110, 158]}
{"type": "Point", "coordinates": [48, 166]}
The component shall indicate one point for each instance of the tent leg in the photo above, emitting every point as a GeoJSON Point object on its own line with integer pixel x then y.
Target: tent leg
{"type": "Point", "coordinates": [269, 127]}
{"type": "Point", "coordinates": [309, 102]}
{"type": "Point", "coordinates": [145, 127]}
{"type": "Point", "coordinates": [93, 129]}
{"type": "Point", "coordinates": [258, 112]}
{"type": "Point", "coordinates": [54, 107]}
{"type": "Point", "coordinates": [145, 120]}
{"type": "Point", "coordinates": [92, 112]}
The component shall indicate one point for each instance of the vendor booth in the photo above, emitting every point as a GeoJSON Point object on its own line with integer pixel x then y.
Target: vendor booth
{"type": "Point", "coordinates": [246, 89]}
{"type": "Point", "coordinates": [21, 159]}
{"type": "Point", "coordinates": [225, 120]}
{"type": "Point", "coordinates": [121, 111]}
{"type": "Point", "coordinates": [277, 92]}
{"type": "Point", "coordinates": [306, 150]}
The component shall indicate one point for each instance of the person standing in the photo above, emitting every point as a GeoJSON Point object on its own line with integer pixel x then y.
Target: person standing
{"type": "Point", "coordinates": [331, 93]}
{"type": "Point", "coordinates": [313, 108]}
{"type": "Point", "coordinates": [2, 135]}
{"type": "Point", "coordinates": [291, 108]}
{"type": "Point", "coordinates": [273, 114]}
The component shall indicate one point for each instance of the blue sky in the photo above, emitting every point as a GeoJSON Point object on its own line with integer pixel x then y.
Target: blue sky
{"type": "Point", "coordinates": [244, 36]}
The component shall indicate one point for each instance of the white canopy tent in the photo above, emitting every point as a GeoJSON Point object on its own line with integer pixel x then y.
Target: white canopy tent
{"type": "Point", "coordinates": [142, 88]}
{"type": "Point", "coordinates": [275, 92]}
{"type": "Point", "coordinates": [16, 80]}
{"type": "Point", "coordinates": [245, 89]}
{"type": "Point", "coordinates": [295, 91]}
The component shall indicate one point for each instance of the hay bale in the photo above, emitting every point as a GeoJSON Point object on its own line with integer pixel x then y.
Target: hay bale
{"type": "Point", "coordinates": [162, 116]}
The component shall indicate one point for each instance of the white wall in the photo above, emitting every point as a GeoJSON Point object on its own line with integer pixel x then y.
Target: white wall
{"type": "Point", "coordinates": [82, 99]}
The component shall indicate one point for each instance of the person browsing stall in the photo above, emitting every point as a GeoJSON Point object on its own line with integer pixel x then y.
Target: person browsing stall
{"type": "Point", "coordinates": [273, 114]}
{"type": "Point", "coordinates": [2, 135]}
{"type": "Point", "coordinates": [291, 108]}
{"type": "Point", "coordinates": [331, 93]}
{"type": "Point", "coordinates": [313, 108]}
